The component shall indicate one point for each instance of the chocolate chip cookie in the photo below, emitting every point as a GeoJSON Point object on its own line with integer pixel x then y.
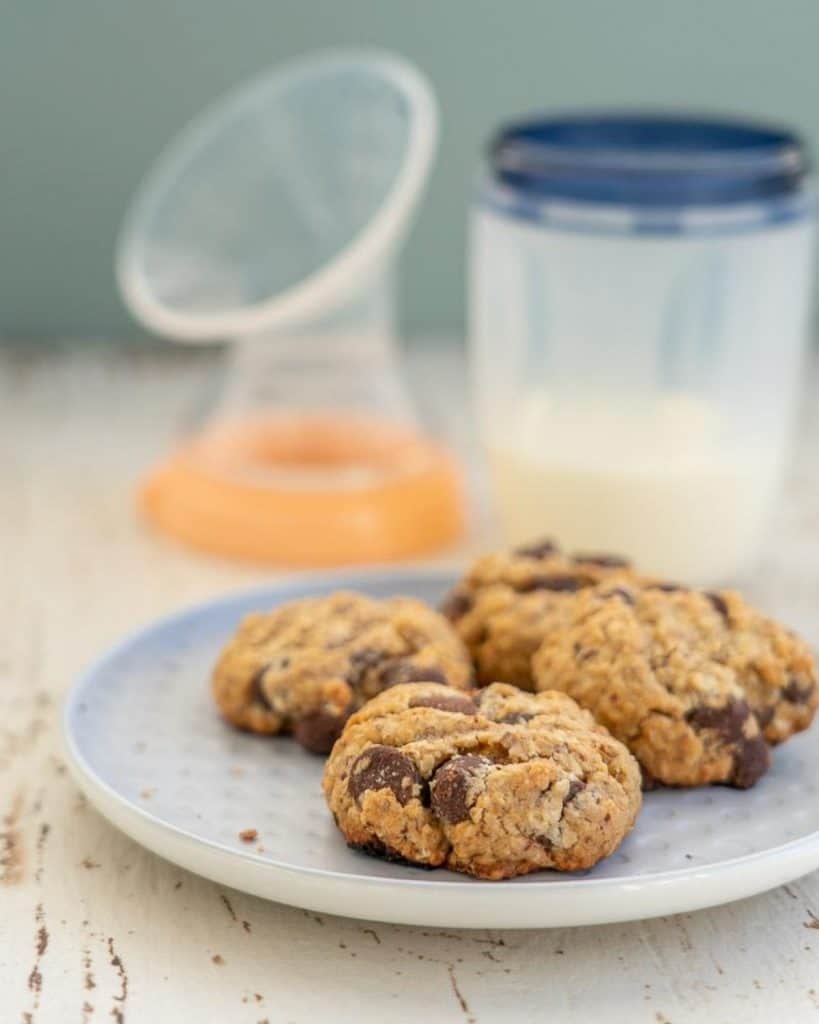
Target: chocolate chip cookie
{"type": "Point", "coordinates": [306, 666]}
{"type": "Point", "coordinates": [494, 785]}
{"type": "Point", "coordinates": [774, 666]}
{"type": "Point", "coordinates": [506, 602]}
{"type": "Point", "coordinates": [694, 683]}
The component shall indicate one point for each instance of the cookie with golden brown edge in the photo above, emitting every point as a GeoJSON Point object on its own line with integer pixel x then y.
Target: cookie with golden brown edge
{"type": "Point", "coordinates": [507, 601]}
{"type": "Point", "coordinates": [692, 682]}
{"type": "Point", "coordinates": [306, 666]}
{"type": "Point", "coordinates": [497, 785]}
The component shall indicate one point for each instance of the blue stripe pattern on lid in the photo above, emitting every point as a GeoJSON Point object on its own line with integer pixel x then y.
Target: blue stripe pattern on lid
{"type": "Point", "coordinates": [601, 219]}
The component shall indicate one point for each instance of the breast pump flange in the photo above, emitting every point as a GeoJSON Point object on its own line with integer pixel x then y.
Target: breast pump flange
{"type": "Point", "coordinates": [273, 222]}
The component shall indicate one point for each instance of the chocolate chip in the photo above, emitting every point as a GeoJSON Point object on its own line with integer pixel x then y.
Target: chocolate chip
{"type": "Point", "coordinates": [537, 549]}
{"type": "Point", "coordinates": [604, 561]}
{"type": "Point", "coordinates": [445, 702]}
{"type": "Point", "coordinates": [623, 595]}
{"type": "Point", "coordinates": [764, 716]}
{"type": "Point", "coordinates": [648, 782]}
{"type": "Point", "coordinates": [318, 731]}
{"type": "Point", "coordinates": [575, 786]}
{"type": "Point", "coordinates": [480, 636]}
{"type": "Point", "coordinates": [361, 662]}
{"type": "Point", "coordinates": [719, 604]}
{"type": "Point", "coordinates": [375, 848]}
{"type": "Point", "coordinates": [398, 672]}
{"type": "Point", "coordinates": [515, 718]}
{"type": "Point", "coordinates": [556, 582]}
{"type": "Point", "coordinates": [667, 588]}
{"type": "Point", "coordinates": [257, 694]}
{"type": "Point", "coordinates": [751, 762]}
{"type": "Point", "coordinates": [796, 692]}
{"type": "Point", "coordinates": [451, 785]}
{"type": "Point", "coordinates": [381, 767]}
{"type": "Point", "coordinates": [728, 719]}
{"type": "Point", "coordinates": [752, 757]}
{"type": "Point", "coordinates": [456, 604]}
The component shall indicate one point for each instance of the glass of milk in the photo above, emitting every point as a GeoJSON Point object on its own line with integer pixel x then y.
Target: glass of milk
{"type": "Point", "coordinates": [639, 305]}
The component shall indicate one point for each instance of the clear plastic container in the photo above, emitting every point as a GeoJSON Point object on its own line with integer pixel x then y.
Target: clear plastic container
{"type": "Point", "coordinates": [640, 296]}
{"type": "Point", "coordinates": [274, 222]}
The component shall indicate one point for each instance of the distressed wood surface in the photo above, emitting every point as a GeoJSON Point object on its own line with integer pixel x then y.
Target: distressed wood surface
{"type": "Point", "coordinates": [94, 929]}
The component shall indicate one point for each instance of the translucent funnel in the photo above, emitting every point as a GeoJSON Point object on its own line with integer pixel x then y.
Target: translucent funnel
{"type": "Point", "coordinates": [274, 222]}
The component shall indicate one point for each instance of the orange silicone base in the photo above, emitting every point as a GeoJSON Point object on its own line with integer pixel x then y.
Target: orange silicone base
{"type": "Point", "coordinates": [308, 492]}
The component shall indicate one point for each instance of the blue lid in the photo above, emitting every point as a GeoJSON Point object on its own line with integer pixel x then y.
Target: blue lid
{"type": "Point", "coordinates": [656, 159]}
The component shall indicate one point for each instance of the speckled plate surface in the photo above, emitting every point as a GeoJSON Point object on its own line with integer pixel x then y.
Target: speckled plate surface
{"type": "Point", "coordinates": [147, 747]}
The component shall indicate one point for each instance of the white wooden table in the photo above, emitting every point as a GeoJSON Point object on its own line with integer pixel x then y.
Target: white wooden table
{"type": "Point", "coordinates": [94, 929]}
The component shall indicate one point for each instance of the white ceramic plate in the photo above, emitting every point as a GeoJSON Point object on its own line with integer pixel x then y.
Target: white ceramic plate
{"type": "Point", "coordinates": [147, 747]}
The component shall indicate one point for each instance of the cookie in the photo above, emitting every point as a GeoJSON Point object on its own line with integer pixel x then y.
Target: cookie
{"type": "Point", "coordinates": [692, 682]}
{"type": "Point", "coordinates": [506, 602]}
{"type": "Point", "coordinates": [497, 785]}
{"type": "Point", "coordinates": [306, 666]}
{"type": "Point", "coordinates": [774, 666]}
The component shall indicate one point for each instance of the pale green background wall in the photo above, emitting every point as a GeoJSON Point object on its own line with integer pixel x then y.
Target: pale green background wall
{"type": "Point", "coordinates": [91, 89]}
